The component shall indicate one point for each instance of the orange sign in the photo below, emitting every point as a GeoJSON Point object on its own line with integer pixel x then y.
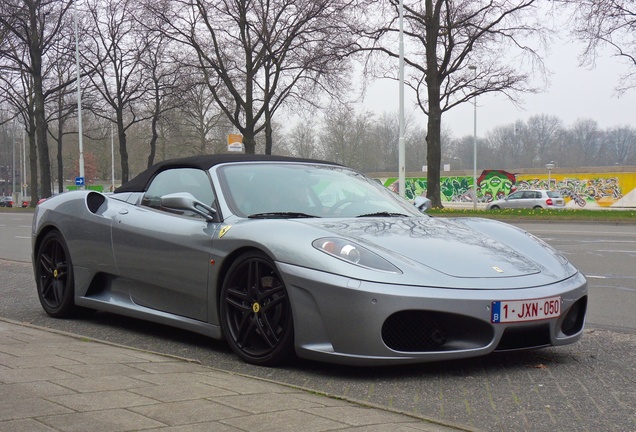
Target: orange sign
{"type": "Point", "coordinates": [235, 142]}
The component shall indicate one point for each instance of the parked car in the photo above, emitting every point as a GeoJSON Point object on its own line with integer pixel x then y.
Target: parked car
{"type": "Point", "coordinates": [6, 201]}
{"type": "Point", "coordinates": [41, 200]}
{"type": "Point", "coordinates": [532, 198]}
{"type": "Point", "coordinates": [285, 257]}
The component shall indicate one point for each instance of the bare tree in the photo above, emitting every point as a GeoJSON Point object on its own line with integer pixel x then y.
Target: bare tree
{"type": "Point", "coordinates": [302, 140]}
{"type": "Point", "coordinates": [619, 146]}
{"type": "Point", "coordinates": [258, 54]}
{"type": "Point", "coordinates": [414, 148]}
{"type": "Point", "coordinates": [165, 81]}
{"type": "Point", "coordinates": [506, 144]}
{"type": "Point", "coordinates": [200, 115]}
{"type": "Point", "coordinates": [455, 54]}
{"type": "Point", "coordinates": [584, 140]}
{"type": "Point", "coordinates": [62, 104]}
{"type": "Point", "coordinates": [32, 26]}
{"type": "Point", "coordinates": [114, 50]}
{"type": "Point", "coordinates": [602, 23]}
{"type": "Point", "coordinates": [386, 133]}
{"type": "Point", "coordinates": [542, 137]}
{"type": "Point", "coordinates": [346, 136]}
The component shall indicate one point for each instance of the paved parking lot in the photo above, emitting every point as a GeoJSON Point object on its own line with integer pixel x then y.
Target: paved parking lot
{"type": "Point", "coordinates": [588, 386]}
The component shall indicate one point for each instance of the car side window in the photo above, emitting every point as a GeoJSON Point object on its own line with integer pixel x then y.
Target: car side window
{"type": "Point", "coordinates": [191, 180]}
{"type": "Point", "coordinates": [515, 195]}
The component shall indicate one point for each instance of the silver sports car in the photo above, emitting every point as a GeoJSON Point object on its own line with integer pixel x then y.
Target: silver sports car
{"type": "Point", "coordinates": [284, 257]}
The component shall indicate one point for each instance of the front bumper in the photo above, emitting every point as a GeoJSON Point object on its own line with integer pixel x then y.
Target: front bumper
{"type": "Point", "coordinates": [342, 320]}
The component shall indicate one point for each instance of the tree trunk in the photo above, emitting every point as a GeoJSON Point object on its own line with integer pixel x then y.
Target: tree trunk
{"type": "Point", "coordinates": [60, 159]}
{"type": "Point", "coordinates": [249, 142]}
{"type": "Point", "coordinates": [33, 163]}
{"type": "Point", "coordinates": [35, 51]}
{"type": "Point", "coordinates": [41, 127]}
{"type": "Point", "coordinates": [433, 84]}
{"type": "Point", "coordinates": [123, 151]}
{"type": "Point", "coordinates": [434, 155]}
{"type": "Point", "coordinates": [153, 142]}
{"type": "Point", "coordinates": [268, 131]}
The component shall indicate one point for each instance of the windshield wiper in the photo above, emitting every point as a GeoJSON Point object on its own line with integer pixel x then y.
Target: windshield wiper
{"type": "Point", "coordinates": [383, 214]}
{"type": "Point", "coordinates": [280, 215]}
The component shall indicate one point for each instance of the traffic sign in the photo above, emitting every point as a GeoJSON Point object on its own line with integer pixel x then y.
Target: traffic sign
{"type": "Point", "coordinates": [79, 181]}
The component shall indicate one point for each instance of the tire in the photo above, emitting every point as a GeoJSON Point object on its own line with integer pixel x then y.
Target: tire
{"type": "Point", "coordinates": [255, 311]}
{"type": "Point", "coordinates": [537, 208]}
{"type": "Point", "coordinates": [54, 276]}
{"type": "Point", "coordinates": [495, 207]}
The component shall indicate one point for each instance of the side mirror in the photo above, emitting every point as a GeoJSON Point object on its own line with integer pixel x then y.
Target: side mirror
{"type": "Point", "coordinates": [187, 201]}
{"type": "Point", "coordinates": [423, 204]}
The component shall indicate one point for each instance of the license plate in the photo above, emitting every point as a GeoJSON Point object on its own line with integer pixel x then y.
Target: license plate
{"type": "Point", "coordinates": [525, 310]}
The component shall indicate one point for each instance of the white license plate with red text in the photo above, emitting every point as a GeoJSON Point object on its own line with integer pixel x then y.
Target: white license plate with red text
{"type": "Point", "coordinates": [525, 310]}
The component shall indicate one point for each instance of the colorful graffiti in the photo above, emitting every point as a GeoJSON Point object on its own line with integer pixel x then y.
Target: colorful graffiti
{"type": "Point", "coordinates": [579, 190]}
{"type": "Point", "coordinates": [495, 184]}
{"type": "Point", "coordinates": [601, 191]}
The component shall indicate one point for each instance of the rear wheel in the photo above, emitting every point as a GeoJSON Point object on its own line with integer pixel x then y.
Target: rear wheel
{"type": "Point", "coordinates": [54, 276]}
{"type": "Point", "coordinates": [256, 315]}
{"type": "Point", "coordinates": [537, 207]}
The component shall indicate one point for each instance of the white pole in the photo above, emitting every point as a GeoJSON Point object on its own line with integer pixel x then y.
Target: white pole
{"type": "Point", "coordinates": [13, 194]}
{"type": "Point", "coordinates": [79, 99]}
{"type": "Point", "coordinates": [112, 158]}
{"type": "Point", "coordinates": [24, 170]}
{"type": "Point", "coordinates": [474, 68]}
{"type": "Point", "coordinates": [401, 146]}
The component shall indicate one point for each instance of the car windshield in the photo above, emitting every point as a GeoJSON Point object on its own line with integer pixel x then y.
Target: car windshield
{"type": "Point", "coordinates": [269, 190]}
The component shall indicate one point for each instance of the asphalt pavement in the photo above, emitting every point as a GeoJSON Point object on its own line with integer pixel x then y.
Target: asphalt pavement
{"type": "Point", "coordinates": [116, 374]}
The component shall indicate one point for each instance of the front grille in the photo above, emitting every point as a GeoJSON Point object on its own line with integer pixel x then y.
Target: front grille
{"type": "Point", "coordinates": [430, 331]}
{"type": "Point", "coordinates": [524, 337]}
{"type": "Point", "coordinates": [575, 317]}
{"type": "Point", "coordinates": [413, 331]}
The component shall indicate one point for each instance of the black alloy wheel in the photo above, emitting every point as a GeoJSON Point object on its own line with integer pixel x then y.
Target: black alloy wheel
{"type": "Point", "coordinates": [256, 315]}
{"type": "Point", "coordinates": [54, 276]}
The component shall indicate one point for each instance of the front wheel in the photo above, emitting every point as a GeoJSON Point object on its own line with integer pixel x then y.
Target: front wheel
{"type": "Point", "coordinates": [256, 315]}
{"type": "Point", "coordinates": [495, 207]}
{"type": "Point", "coordinates": [54, 276]}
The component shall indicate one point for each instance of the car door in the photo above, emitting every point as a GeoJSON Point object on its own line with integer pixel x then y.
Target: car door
{"type": "Point", "coordinates": [164, 254]}
{"type": "Point", "coordinates": [537, 200]}
{"type": "Point", "coordinates": [515, 200]}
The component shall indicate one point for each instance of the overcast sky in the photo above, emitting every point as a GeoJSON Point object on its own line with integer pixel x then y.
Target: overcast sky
{"type": "Point", "coordinates": [574, 93]}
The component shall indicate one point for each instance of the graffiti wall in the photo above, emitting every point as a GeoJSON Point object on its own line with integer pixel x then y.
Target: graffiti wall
{"type": "Point", "coordinates": [579, 190]}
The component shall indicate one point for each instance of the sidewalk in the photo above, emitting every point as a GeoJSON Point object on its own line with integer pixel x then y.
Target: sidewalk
{"type": "Point", "coordinates": [52, 381]}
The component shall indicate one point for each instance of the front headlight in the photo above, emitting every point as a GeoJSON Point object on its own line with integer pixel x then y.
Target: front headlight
{"type": "Point", "coordinates": [354, 253]}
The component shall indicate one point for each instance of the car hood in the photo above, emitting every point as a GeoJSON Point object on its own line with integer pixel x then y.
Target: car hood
{"type": "Point", "coordinates": [460, 248]}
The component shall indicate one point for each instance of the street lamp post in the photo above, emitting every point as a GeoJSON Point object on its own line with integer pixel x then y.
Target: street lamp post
{"type": "Point", "coordinates": [474, 69]}
{"type": "Point", "coordinates": [401, 142]}
{"type": "Point", "coordinates": [549, 167]}
{"type": "Point", "coordinates": [79, 97]}
{"type": "Point", "coordinates": [13, 194]}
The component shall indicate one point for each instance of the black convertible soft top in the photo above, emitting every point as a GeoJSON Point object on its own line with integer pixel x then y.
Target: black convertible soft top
{"type": "Point", "coordinates": [204, 162]}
